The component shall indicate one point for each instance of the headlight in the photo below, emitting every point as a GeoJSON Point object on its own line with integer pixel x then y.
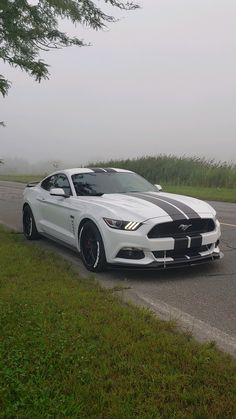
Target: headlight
{"type": "Point", "coordinates": [122, 225]}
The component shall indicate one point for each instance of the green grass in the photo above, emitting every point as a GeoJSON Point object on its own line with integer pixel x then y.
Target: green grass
{"type": "Point", "coordinates": [71, 349]}
{"type": "Point", "coordinates": [211, 194]}
{"type": "Point", "coordinates": [21, 178]}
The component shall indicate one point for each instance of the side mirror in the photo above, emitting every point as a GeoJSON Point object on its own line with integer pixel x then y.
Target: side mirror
{"type": "Point", "coordinates": [58, 192]}
{"type": "Point", "coordinates": [159, 187]}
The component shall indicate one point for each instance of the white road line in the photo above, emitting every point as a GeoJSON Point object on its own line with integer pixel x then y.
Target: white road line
{"type": "Point", "coordinates": [201, 330]}
{"type": "Point", "coordinates": [229, 225]}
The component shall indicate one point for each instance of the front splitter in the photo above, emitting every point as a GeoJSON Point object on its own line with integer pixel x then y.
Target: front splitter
{"type": "Point", "coordinates": [178, 263]}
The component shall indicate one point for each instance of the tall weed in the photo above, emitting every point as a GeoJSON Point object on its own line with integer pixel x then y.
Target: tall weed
{"type": "Point", "coordinates": [169, 169]}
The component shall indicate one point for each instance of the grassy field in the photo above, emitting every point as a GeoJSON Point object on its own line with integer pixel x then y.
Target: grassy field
{"type": "Point", "coordinates": [171, 170]}
{"type": "Point", "coordinates": [211, 194]}
{"type": "Point", "coordinates": [214, 194]}
{"type": "Point", "coordinates": [21, 178]}
{"type": "Point", "coordinates": [71, 349]}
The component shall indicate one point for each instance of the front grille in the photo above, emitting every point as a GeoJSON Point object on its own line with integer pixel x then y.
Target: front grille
{"type": "Point", "coordinates": [172, 228]}
{"type": "Point", "coordinates": [175, 254]}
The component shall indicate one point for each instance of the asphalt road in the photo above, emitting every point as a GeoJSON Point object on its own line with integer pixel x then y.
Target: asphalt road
{"type": "Point", "coordinates": [202, 299]}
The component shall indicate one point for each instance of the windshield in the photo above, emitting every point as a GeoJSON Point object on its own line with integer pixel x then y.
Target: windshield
{"type": "Point", "coordinates": [107, 183]}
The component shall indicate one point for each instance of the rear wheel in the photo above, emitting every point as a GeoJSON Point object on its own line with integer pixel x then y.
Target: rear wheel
{"type": "Point", "coordinates": [29, 227]}
{"type": "Point", "coordinates": [92, 248]}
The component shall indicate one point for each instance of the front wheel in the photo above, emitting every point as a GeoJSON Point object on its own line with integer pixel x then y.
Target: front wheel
{"type": "Point", "coordinates": [92, 248]}
{"type": "Point", "coordinates": [29, 227]}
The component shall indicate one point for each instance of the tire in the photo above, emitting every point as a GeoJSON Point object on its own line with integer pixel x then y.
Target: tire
{"type": "Point", "coordinates": [92, 248]}
{"type": "Point", "coordinates": [29, 227]}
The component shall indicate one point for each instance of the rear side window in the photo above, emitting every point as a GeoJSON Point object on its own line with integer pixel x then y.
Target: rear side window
{"type": "Point", "coordinates": [48, 183]}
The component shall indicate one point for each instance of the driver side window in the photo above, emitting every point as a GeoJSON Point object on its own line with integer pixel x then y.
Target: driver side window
{"type": "Point", "coordinates": [57, 181]}
{"type": "Point", "coordinates": [62, 182]}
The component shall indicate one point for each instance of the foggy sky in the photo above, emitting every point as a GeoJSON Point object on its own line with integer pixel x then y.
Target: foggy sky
{"type": "Point", "coordinates": [161, 80]}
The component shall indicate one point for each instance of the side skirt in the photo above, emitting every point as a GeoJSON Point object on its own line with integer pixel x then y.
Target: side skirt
{"type": "Point", "coordinates": [58, 241]}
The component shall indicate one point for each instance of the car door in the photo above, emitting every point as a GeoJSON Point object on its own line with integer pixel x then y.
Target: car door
{"type": "Point", "coordinates": [56, 219]}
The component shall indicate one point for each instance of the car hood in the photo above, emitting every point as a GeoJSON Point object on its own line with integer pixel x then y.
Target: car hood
{"type": "Point", "coordinates": [144, 206]}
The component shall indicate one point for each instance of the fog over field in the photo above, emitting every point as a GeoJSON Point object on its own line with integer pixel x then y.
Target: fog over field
{"type": "Point", "coordinates": [161, 80]}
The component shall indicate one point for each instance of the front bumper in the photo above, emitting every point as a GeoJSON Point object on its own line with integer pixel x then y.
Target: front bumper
{"type": "Point", "coordinates": [160, 253]}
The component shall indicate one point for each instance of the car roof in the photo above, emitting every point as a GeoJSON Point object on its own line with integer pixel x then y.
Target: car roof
{"type": "Point", "coordinates": [71, 172]}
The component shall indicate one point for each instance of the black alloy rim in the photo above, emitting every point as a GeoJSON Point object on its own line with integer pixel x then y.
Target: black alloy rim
{"type": "Point", "coordinates": [89, 247]}
{"type": "Point", "coordinates": [27, 223]}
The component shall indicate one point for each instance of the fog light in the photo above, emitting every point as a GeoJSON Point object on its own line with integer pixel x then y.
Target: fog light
{"type": "Point", "coordinates": [130, 253]}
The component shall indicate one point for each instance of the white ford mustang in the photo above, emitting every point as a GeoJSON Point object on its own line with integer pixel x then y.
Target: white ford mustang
{"type": "Point", "coordinates": [116, 217]}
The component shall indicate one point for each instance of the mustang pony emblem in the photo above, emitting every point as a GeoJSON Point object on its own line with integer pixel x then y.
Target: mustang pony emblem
{"type": "Point", "coordinates": [184, 227]}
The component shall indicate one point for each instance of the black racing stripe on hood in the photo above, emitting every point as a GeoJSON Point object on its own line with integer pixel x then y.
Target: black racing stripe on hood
{"type": "Point", "coordinates": [109, 170]}
{"type": "Point", "coordinates": [97, 169]}
{"type": "Point", "coordinates": [183, 207]}
{"type": "Point", "coordinates": [173, 213]}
